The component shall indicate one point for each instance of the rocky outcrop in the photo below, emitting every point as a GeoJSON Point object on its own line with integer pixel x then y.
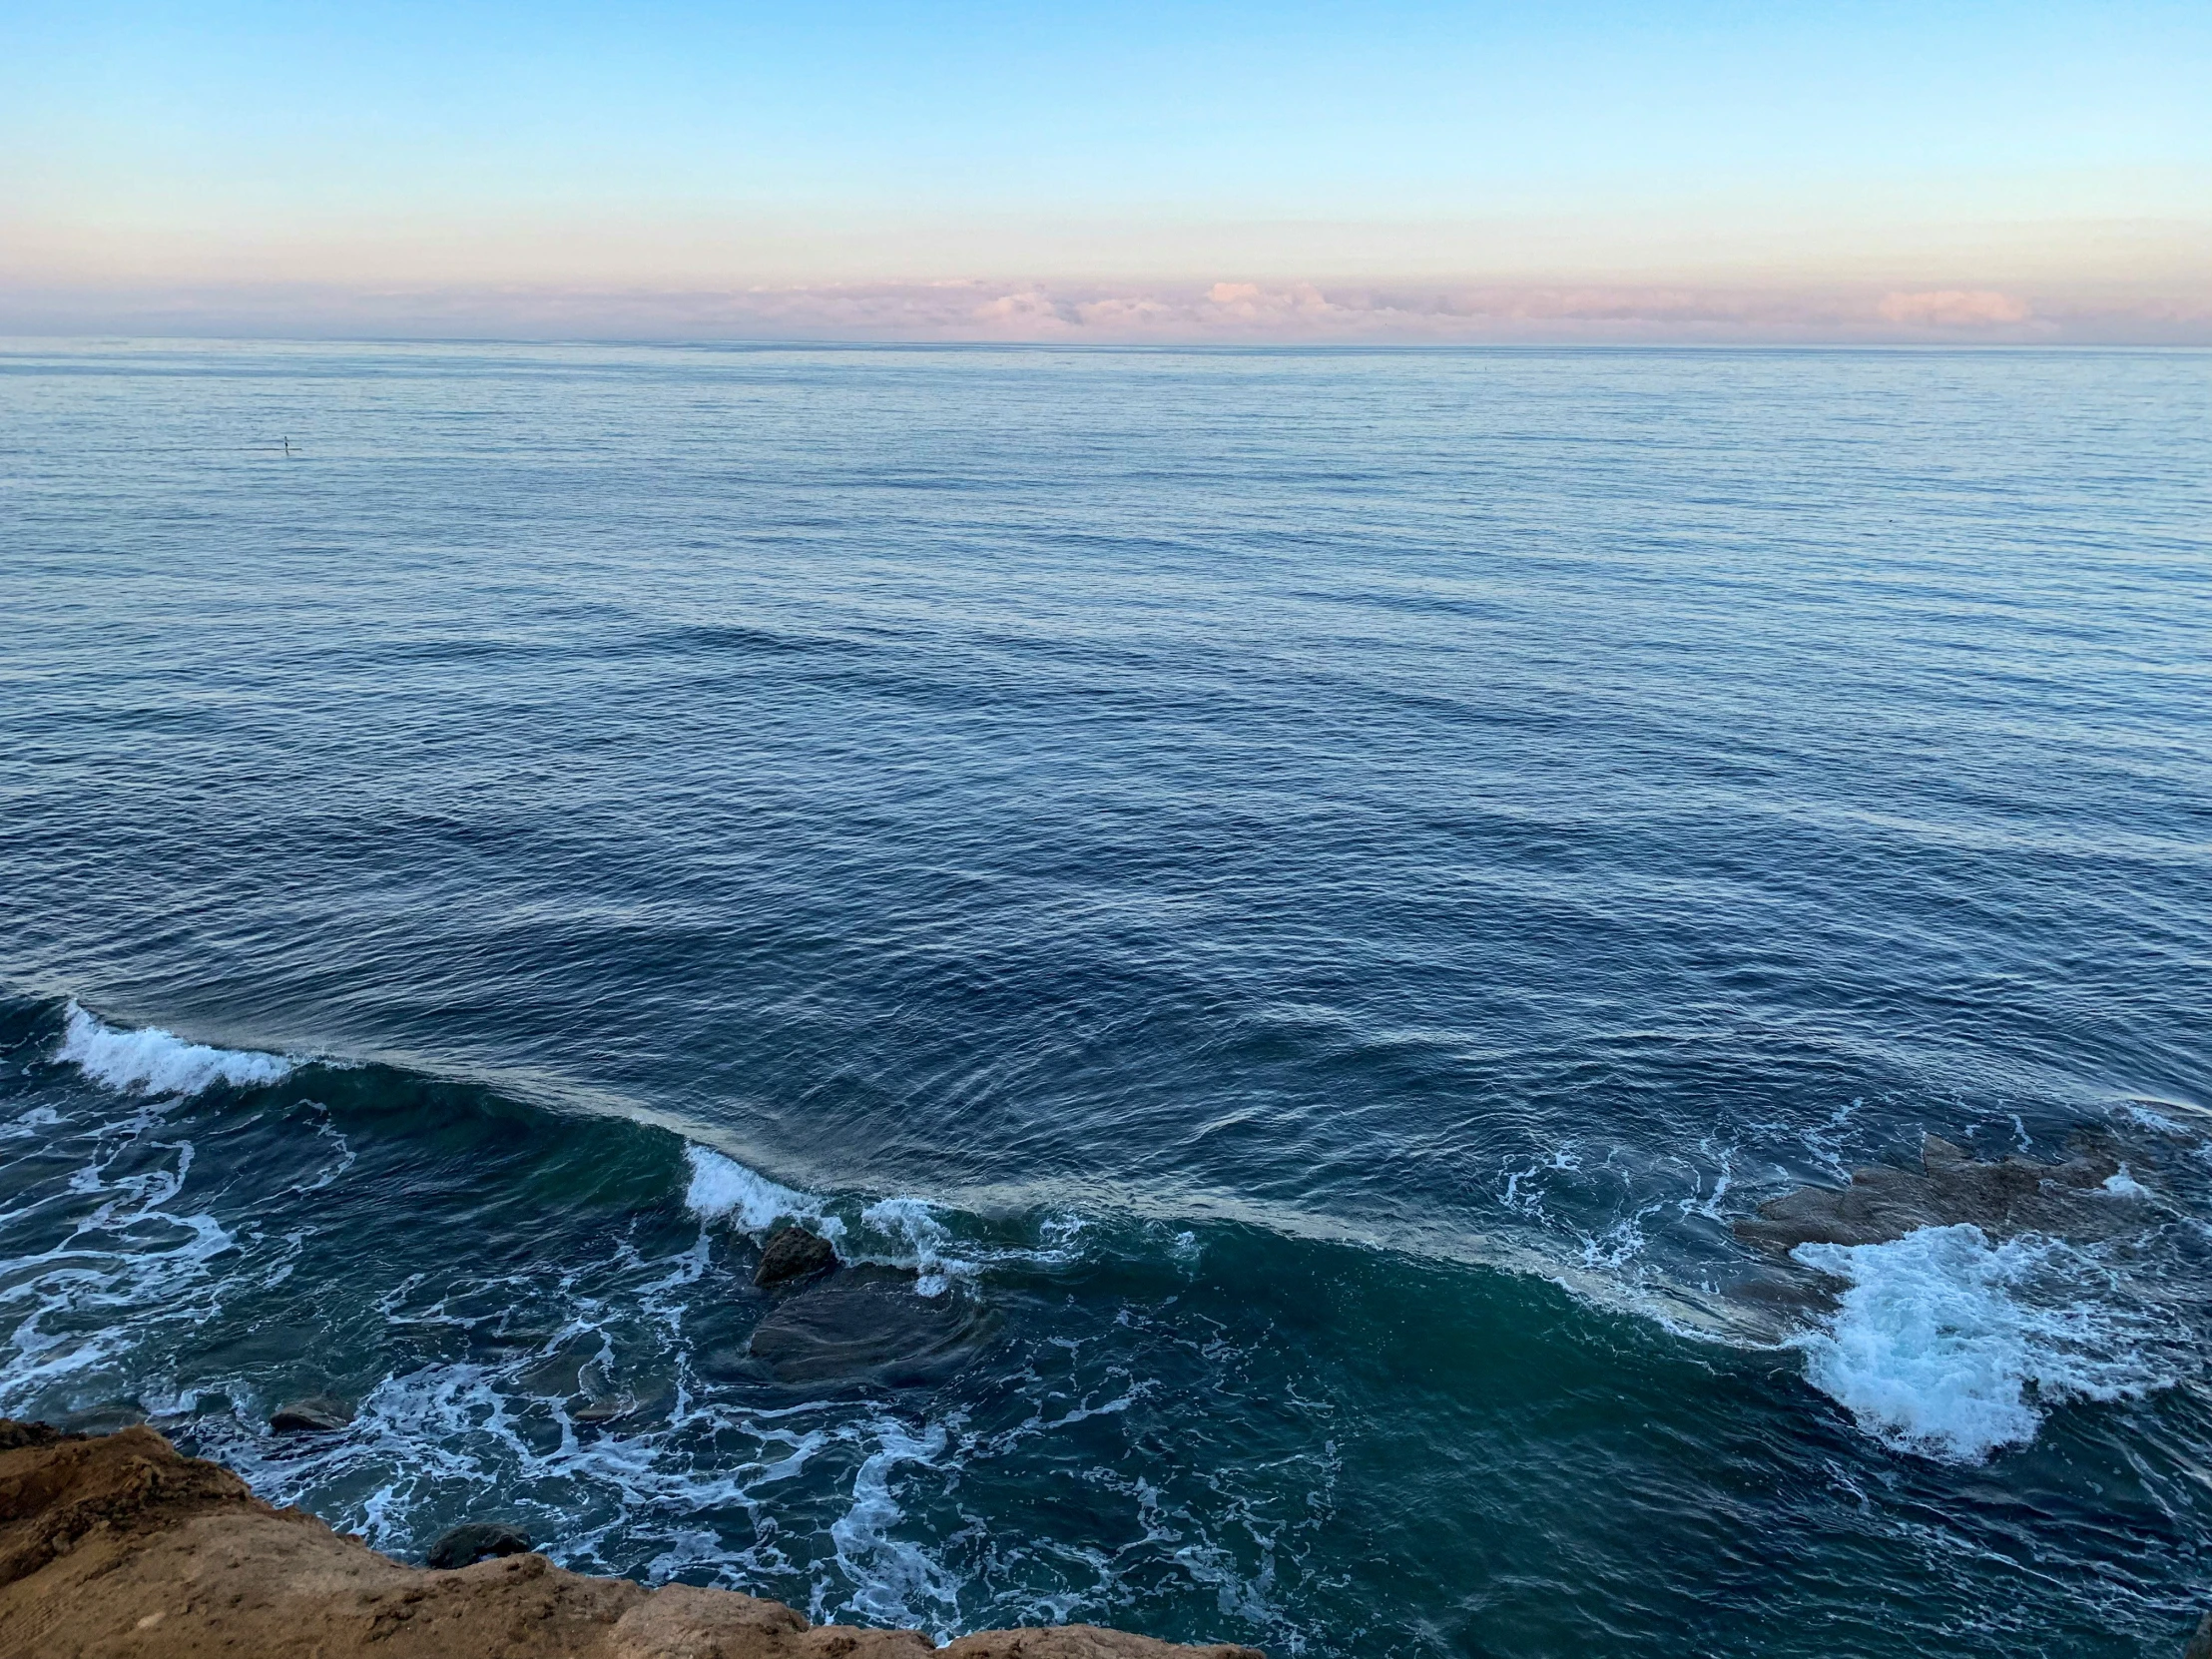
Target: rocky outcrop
{"type": "Point", "coordinates": [2017, 1195]}
{"type": "Point", "coordinates": [115, 1545]}
{"type": "Point", "coordinates": [317, 1414]}
{"type": "Point", "coordinates": [792, 1256]}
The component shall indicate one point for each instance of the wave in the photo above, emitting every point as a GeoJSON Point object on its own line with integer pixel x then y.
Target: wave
{"type": "Point", "coordinates": [1950, 1346]}
{"type": "Point", "coordinates": [723, 1190]}
{"type": "Point", "coordinates": [553, 1332]}
{"type": "Point", "coordinates": [900, 1230]}
{"type": "Point", "coordinates": [163, 1239]}
{"type": "Point", "coordinates": [1941, 1344]}
{"type": "Point", "coordinates": [152, 1062]}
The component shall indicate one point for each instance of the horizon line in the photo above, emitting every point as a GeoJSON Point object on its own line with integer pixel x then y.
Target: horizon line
{"type": "Point", "coordinates": [1377, 347]}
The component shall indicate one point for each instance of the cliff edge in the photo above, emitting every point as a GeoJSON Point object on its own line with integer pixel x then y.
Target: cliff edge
{"type": "Point", "coordinates": [116, 1546]}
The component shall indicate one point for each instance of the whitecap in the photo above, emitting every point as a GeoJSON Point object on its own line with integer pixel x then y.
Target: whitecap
{"type": "Point", "coordinates": [155, 1062]}
{"type": "Point", "coordinates": [917, 1239]}
{"type": "Point", "coordinates": [1950, 1346]}
{"type": "Point", "coordinates": [722, 1189]}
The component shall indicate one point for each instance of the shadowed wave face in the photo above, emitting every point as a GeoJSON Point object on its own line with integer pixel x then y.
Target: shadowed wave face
{"type": "Point", "coordinates": [1278, 908]}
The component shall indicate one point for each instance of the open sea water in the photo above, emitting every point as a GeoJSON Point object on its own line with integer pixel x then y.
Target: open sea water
{"type": "Point", "coordinates": [1303, 890]}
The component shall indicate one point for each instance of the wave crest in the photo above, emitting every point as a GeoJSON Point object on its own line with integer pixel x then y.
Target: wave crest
{"type": "Point", "coordinates": [152, 1062]}
{"type": "Point", "coordinates": [722, 1189]}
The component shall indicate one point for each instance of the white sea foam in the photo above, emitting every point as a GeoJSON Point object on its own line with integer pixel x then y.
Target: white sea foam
{"type": "Point", "coordinates": [155, 1062]}
{"type": "Point", "coordinates": [917, 1241]}
{"type": "Point", "coordinates": [722, 1189]}
{"type": "Point", "coordinates": [1948, 1346]}
{"type": "Point", "coordinates": [74, 1313]}
{"type": "Point", "coordinates": [825, 1498]}
{"type": "Point", "coordinates": [2162, 1117]}
{"type": "Point", "coordinates": [898, 1232]}
{"type": "Point", "coordinates": [894, 1579]}
{"type": "Point", "coordinates": [908, 1232]}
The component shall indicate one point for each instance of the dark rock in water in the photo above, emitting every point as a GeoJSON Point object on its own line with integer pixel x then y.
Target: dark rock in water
{"type": "Point", "coordinates": [477, 1541]}
{"type": "Point", "coordinates": [869, 1324]}
{"type": "Point", "coordinates": [2200, 1645]}
{"type": "Point", "coordinates": [792, 1255]}
{"type": "Point", "coordinates": [316, 1414]}
{"type": "Point", "coordinates": [2015, 1196]}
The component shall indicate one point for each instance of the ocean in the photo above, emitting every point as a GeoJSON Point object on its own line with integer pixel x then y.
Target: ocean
{"type": "Point", "coordinates": [1296, 898]}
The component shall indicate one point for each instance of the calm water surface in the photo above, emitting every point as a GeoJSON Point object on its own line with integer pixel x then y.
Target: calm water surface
{"type": "Point", "coordinates": [1303, 892]}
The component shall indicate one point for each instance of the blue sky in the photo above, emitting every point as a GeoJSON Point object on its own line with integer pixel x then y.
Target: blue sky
{"type": "Point", "coordinates": [1964, 148]}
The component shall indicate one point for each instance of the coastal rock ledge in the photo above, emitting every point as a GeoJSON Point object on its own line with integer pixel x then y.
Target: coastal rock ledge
{"type": "Point", "coordinates": [116, 1546]}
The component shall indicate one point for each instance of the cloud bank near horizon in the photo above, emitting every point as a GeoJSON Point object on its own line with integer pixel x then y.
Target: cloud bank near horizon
{"type": "Point", "coordinates": [1404, 170]}
{"type": "Point", "coordinates": [1226, 311]}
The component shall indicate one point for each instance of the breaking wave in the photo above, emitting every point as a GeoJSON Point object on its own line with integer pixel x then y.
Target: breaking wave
{"type": "Point", "coordinates": [1950, 1346]}
{"type": "Point", "coordinates": [900, 1230]}
{"type": "Point", "coordinates": [723, 1190]}
{"type": "Point", "coordinates": [157, 1243]}
{"type": "Point", "coordinates": [609, 1408]}
{"type": "Point", "coordinates": [152, 1062]}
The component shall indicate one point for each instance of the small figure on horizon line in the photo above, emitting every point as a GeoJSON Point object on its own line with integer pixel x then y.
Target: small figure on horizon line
{"type": "Point", "coordinates": [287, 445]}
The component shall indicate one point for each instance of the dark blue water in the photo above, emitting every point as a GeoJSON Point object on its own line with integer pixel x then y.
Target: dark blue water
{"type": "Point", "coordinates": [1306, 891]}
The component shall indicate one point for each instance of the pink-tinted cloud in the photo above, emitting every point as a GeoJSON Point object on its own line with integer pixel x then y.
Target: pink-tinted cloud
{"type": "Point", "coordinates": [1231, 309]}
{"type": "Point", "coordinates": [1955, 309]}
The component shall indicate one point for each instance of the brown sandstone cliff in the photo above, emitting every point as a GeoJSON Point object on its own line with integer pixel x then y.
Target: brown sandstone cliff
{"type": "Point", "coordinates": [117, 1547]}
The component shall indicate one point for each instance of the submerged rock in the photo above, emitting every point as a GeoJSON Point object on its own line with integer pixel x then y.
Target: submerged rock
{"type": "Point", "coordinates": [116, 1544]}
{"type": "Point", "coordinates": [2017, 1195]}
{"type": "Point", "coordinates": [792, 1256]}
{"type": "Point", "coordinates": [464, 1547]}
{"type": "Point", "coordinates": [316, 1414]}
{"type": "Point", "coordinates": [869, 1324]}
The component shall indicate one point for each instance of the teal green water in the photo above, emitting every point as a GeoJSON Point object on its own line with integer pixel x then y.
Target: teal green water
{"type": "Point", "coordinates": [1304, 890]}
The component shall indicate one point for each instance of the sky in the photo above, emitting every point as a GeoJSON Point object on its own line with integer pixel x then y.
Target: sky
{"type": "Point", "coordinates": [2006, 172]}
